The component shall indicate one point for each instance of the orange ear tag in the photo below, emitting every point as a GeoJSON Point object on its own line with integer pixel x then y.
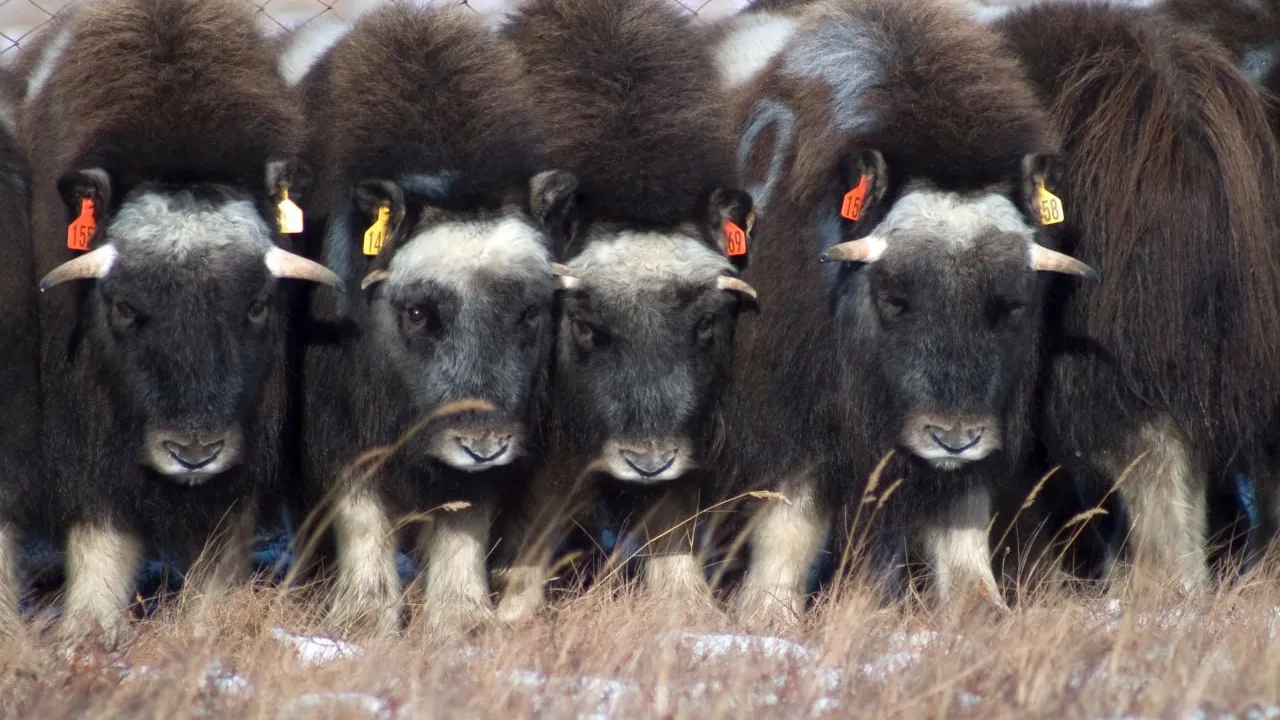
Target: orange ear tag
{"type": "Point", "coordinates": [290, 215]}
{"type": "Point", "coordinates": [851, 207]}
{"type": "Point", "coordinates": [80, 231]}
{"type": "Point", "coordinates": [735, 239]}
{"type": "Point", "coordinates": [376, 235]}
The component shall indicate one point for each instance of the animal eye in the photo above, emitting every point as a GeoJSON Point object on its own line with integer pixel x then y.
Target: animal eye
{"type": "Point", "coordinates": [417, 317]}
{"type": "Point", "coordinates": [1004, 308]}
{"type": "Point", "coordinates": [583, 334]}
{"type": "Point", "coordinates": [891, 306]}
{"type": "Point", "coordinates": [706, 324]}
{"type": "Point", "coordinates": [123, 314]}
{"type": "Point", "coordinates": [530, 315]}
{"type": "Point", "coordinates": [257, 311]}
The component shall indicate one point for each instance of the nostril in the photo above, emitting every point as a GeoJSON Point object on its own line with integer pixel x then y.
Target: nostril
{"type": "Point", "coordinates": [649, 464]}
{"type": "Point", "coordinates": [484, 450]}
{"type": "Point", "coordinates": [194, 456]}
{"type": "Point", "coordinates": [957, 439]}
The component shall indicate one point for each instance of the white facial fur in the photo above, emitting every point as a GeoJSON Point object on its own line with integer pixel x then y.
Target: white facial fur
{"type": "Point", "coordinates": [672, 456]}
{"type": "Point", "coordinates": [630, 260]}
{"type": "Point", "coordinates": [918, 440]}
{"type": "Point", "coordinates": [952, 217]}
{"type": "Point", "coordinates": [453, 253]}
{"type": "Point", "coordinates": [151, 224]}
{"type": "Point", "coordinates": [495, 449]}
{"type": "Point", "coordinates": [755, 38]}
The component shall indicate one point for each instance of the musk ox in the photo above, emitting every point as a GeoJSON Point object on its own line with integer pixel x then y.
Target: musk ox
{"type": "Point", "coordinates": [899, 145]}
{"type": "Point", "coordinates": [21, 491]}
{"type": "Point", "coordinates": [429, 169]}
{"type": "Point", "coordinates": [1167, 373]}
{"type": "Point", "coordinates": [626, 99]}
{"type": "Point", "coordinates": [161, 142]}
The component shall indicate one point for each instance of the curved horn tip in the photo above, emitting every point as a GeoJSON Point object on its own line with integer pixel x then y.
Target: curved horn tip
{"type": "Point", "coordinates": [283, 264]}
{"type": "Point", "coordinates": [374, 278]}
{"type": "Point", "coordinates": [864, 250]}
{"type": "Point", "coordinates": [736, 285]}
{"type": "Point", "coordinates": [94, 264]}
{"type": "Point", "coordinates": [1042, 258]}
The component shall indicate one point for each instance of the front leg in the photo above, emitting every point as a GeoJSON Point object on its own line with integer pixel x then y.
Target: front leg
{"type": "Point", "coordinates": [453, 546]}
{"type": "Point", "coordinates": [227, 557]}
{"type": "Point", "coordinates": [957, 551]}
{"type": "Point", "coordinates": [529, 549]}
{"type": "Point", "coordinates": [366, 593]}
{"type": "Point", "coordinates": [784, 542]}
{"type": "Point", "coordinates": [672, 571]}
{"type": "Point", "coordinates": [10, 542]}
{"type": "Point", "coordinates": [102, 560]}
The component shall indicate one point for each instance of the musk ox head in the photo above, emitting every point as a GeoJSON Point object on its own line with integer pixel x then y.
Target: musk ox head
{"type": "Point", "coordinates": [185, 315]}
{"type": "Point", "coordinates": [645, 341]}
{"type": "Point", "coordinates": [939, 304]}
{"type": "Point", "coordinates": [461, 307]}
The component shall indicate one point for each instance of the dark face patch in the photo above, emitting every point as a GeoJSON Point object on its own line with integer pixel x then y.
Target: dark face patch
{"type": "Point", "coordinates": [638, 370]}
{"type": "Point", "coordinates": [486, 338]}
{"type": "Point", "coordinates": [947, 326]}
{"type": "Point", "coordinates": [189, 342]}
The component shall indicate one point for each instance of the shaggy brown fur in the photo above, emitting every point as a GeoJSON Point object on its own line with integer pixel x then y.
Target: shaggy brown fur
{"type": "Point", "coordinates": [626, 106]}
{"type": "Point", "coordinates": [22, 491]}
{"type": "Point", "coordinates": [1171, 167]}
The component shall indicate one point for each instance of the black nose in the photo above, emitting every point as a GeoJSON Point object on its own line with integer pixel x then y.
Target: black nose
{"type": "Point", "coordinates": [649, 463]}
{"type": "Point", "coordinates": [194, 455]}
{"type": "Point", "coordinates": [486, 448]}
{"type": "Point", "coordinates": [957, 439]}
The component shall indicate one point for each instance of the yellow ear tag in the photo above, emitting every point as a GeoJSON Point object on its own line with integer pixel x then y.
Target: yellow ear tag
{"type": "Point", "coordinates": [376, 235]}
{"type": "Point", "coordinates": [290, 215]}
{"type": "Point", "coordinates": [1050, 205]}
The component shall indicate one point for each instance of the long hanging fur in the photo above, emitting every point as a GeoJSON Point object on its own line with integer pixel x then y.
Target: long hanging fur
{"type": "Point", "coordinates": [22, 488]}
{"type": "Point", "coordinates": [942, 102]}
{"type": "Point", "coordinates": [1171, 168]}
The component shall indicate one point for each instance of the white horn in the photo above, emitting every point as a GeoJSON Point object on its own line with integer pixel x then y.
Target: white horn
{"type": "Point", "coordinates": [284, 264]}
{"type": "Point", "coordinates": [865, 250]}
{"type": "Point", "coordinates": [1042, 258]}
{"type": "Point", "coordinates": [736, 285]}
{"type": "Point", "coordinates": [374, 278]}
{"type": "Point", "coordinates": [93, 264]}
{"type": "Point", "coordinates": [566, 277]}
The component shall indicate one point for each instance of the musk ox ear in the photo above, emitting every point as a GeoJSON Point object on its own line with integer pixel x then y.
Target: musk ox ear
{"type": "Point", "coordinates": [371, 195]}
{"type": "Point", "coordinates": [864, 179]}
{"type": "Point", "coordinates": [553, 201]}
{"type": "Point", "coordinates": [288, 174]}
{"type": "Point", "coordinates": [88, 183]}
{"type": "Point", "coordinates": [730, 215]}
{"type": "Point", "coordinates": [1040, 172]}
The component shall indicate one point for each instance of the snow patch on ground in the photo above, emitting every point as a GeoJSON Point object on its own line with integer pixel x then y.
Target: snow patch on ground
{"type": "Point", "coordinates": [316, 649]}
{"type": "Point", "coordinates": [703, 647]}
{"type": "Point", "coordinates": [905, 650]}
{"type": "Point", "coordinates": [323, 704]}
{"type": "Point", "coordinates": [221, 679]}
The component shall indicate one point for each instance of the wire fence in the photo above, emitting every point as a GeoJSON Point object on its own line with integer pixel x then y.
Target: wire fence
{"type": "Point", "coordinates": [20, 19]}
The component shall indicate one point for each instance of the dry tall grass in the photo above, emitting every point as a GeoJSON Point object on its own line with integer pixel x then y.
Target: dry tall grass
{"type": "Point", "coordinates": [610, 653]}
